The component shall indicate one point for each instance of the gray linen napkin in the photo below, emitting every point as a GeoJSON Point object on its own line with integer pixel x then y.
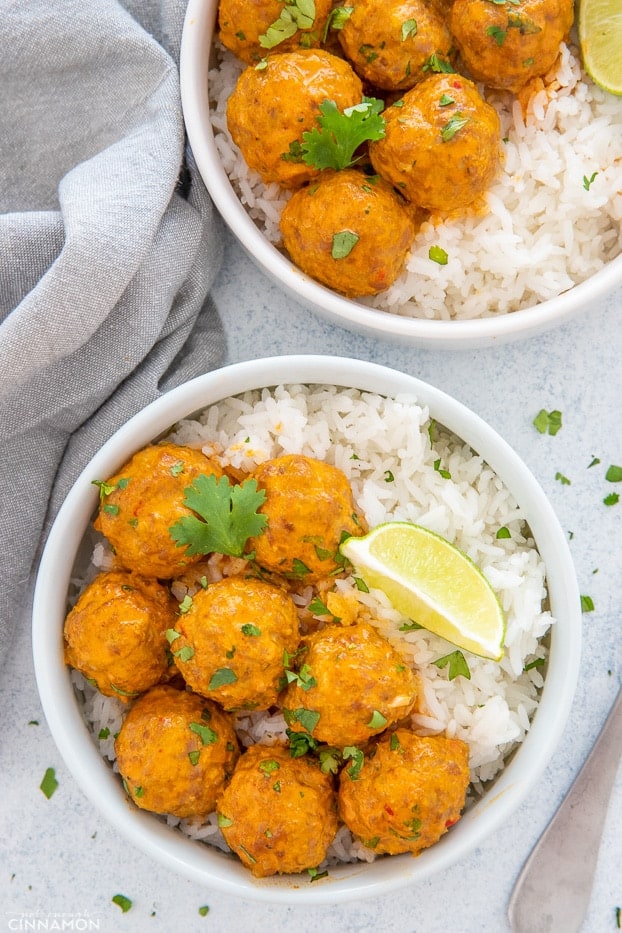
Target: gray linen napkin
{"type": "Point", "coordinates": [108, 248]}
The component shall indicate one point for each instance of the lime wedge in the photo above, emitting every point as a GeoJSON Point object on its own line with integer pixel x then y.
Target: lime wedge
{"type": "Point", "coordinates": [600, 37]}
{"type": "Point", "coordinates": [429, 580]}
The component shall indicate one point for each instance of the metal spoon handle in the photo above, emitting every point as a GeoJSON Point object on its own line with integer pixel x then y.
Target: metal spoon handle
{"type": "Point", "coordinates": [553, 890]}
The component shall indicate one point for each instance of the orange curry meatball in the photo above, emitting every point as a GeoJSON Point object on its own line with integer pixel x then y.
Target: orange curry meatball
{"type": "Point", "coordinates": [390, 43]}
{"type": "Point", "coordinates": [308, 506]}
{"type": "Point", "coordinates": [353, 684]}
{"type": "Point", "coordinates": [231, 642]}
{"type": "Point", "coordinates": [115, 633]}
{"type": "Point", "coordinates": [504, 45]}
{"type": "Point", "coordinates": [442, 144]}
{"type": "Point", "coordinates": [141, 502]}
{"type": "Point", "coordinates": [251, 29]}
{"type": "Point", "coordinates": [272, 105]}
{"type": "Point", "coordinates": [407, 793]}
{"type": "Point", "coordinates": [278, 813]}
{"type": "Point", "coordinates": [175, 752]}
{"type": "Point", "coordinates": [349, 231]}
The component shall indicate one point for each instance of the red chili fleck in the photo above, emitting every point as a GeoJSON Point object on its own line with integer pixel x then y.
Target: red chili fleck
{"type": "Point", "coordinates": [457, 84]}
{"type": "Point", "coordinates": [389, 810]}
{"type": "Point", "coordinates": [451, 822]}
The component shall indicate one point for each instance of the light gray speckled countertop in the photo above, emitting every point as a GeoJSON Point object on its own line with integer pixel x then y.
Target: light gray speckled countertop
{"type": "Point", "coordinates": [60, 863]}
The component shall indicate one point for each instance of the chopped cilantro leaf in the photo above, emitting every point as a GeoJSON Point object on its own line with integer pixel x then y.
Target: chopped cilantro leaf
{"type": "Point", "coordinates": [453, 126]}
{"type": "Point", "coordinates": [503, 533]}
{"type": "Point", "coordinates": [438, 254]}
{"type": "Point", "coordinates": [456, 663]}
{"type": "Point", "coordinates": [614, 474]}
{"type": "Point", "coordinates": [229, 516]}
{"type": "Point", "coordinates": [562, 479]}
{"type": "Point", "coordinates": [357, 757]}
{"type": "Point", "coordinates": [612, 499]}
{"type": "Point", "coordinates": [295, 15]}
{"type": "Point", "coordinates": [587, 604]}
{"type": "Point", "coordinates": [203, 911]}
{"type": "Point", "coordinates": [377, 721]}
{"type": "Point", "coordinates": [344, 242]}
{"type": "Point", "coordinates": [221, 677]}
{"type": "Point", "coordinates": [207, 735]}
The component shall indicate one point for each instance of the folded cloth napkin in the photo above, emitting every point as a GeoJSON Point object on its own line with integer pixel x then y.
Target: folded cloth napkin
{"type": "Point", "coordinates": [108, 247]}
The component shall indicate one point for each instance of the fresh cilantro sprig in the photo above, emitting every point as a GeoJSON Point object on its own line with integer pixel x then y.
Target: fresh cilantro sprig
{"type": "Point", "coordinates": [334, 141]}
{"type": "Point", "coordinates": [228, 516]}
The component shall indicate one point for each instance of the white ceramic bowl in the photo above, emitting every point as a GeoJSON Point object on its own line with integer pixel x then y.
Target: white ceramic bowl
{"type": "Point", "coordinates": [195, 53]}
{"type": "Point", "coordinates": [203, 863]}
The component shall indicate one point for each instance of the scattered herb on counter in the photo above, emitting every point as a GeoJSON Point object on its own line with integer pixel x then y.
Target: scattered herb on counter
{"type": "Point", "coordinates": [587, 604]}
{"type": "Point", "coordinates": [203, 911]}
{"type": "Point", "coordinates": [228, 513]}
{"type": "Point", "coordinates": [456, 663]}
{"type": "Point", "coordinates": [122, 901]}
{"type": "Point", "coordinates": [548, 421]}
{"type": "Point", "coordinates": [619, 918]}
{"type": "Point", "coordinates": [594, 462]}
{"type": "Point", "coordinates": [49, 783]}
{"type": "Point", "coordinates": [614, 474]}
{"type": "Point", "coordinates": [612, 499]}
{"type": "Point", "coordinates": [33, 722]}
{"type": "Point", "coordinates": [334, 141]}
{"type": "Point", "coordinates": [562, 479]}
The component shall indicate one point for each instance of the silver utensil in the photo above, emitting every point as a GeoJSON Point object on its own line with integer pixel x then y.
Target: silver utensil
{"type": "Point", "coordinates": [552, 892]}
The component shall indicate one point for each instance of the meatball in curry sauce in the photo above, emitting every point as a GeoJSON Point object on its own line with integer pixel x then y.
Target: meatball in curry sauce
{"type": "Point", "coordinates": [284, 96]}
{"type": "Point", "coordinates": [229, 645]}
{"type": "Point", "coordinates": [141, 502]}
{"type": "Point", "coordinates": [278, 813]}
{"type": "Point", "coordinates": [309, 507]}
{"type": "Point", "coordinates": [116, 633]}
{"type": "Point", "coordinates": [175, 752]}
{"type": "Point", "coordinates": [408, 792]}
{"type": "Point", "coordinates": [349, 231]}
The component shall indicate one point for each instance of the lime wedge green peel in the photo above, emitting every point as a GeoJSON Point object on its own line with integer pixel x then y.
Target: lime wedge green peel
{"type": "Point", "coordinates": [429, 580]}
{"type": "Point", "coordinates": [600, 38]}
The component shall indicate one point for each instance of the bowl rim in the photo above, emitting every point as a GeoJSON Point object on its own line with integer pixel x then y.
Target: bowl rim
{"type": "Point", "coordinates": [149, 833]}
{"type": "Point", "coordinates": [453, 334]}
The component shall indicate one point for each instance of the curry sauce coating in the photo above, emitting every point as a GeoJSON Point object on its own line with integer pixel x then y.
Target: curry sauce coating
{"type": "Point", "coordinates": [309, 506]}
{"type": "Point", "coordinates": [115, 633]}
{"type": "Point", "coordinates": [278, 813]}
{"type": "Point", "coordinates": [504, 45]}
{"type": "Point", "coordinates": [390, 43]}
{"type": "Point", "coordinates": [232, 641]}
{"type": "Point", "coordinates": [408, 792]}
{"type": "Point", "coordinates": [272, 106]}
{"type": "Point", "coordinates": [145, 500]}
{"type": "Point", "coordinates": [175, 752]}
{"type": "Point", "coordinates": [442, 144]}
{"type": "Point", "coordinates": [354, 683]}
{"type": "Point", "coordinates": [349, 231]}
{"type": "Point", "coordinates": [244, 27]}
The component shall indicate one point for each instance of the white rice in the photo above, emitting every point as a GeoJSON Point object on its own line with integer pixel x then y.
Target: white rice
{"type": "Point", "coordinates": [544, 232]}
{"type": "Point", "coordinates": [370, 438]}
